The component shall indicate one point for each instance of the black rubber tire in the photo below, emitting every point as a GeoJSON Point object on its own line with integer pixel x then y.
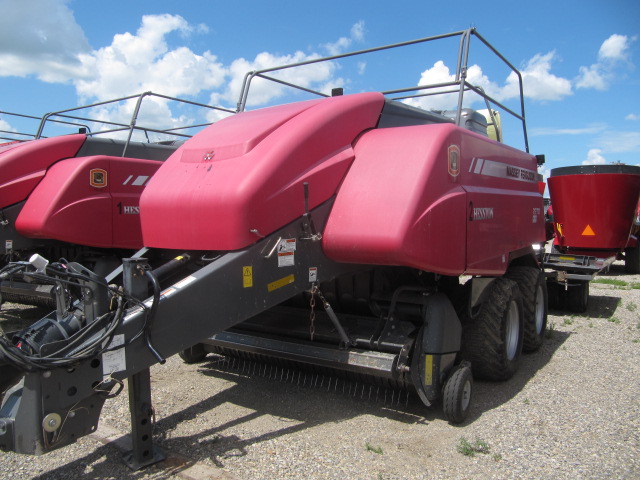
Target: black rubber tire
{"type": "Point", "coordinates": [535, 304]}
{"type": "Point", "coordinates": [632, 260]}
{"type": "Point", "coordinates": [193, 354]}
{"type": "Point", "coordinates": [578, 297]}
{"type": "Point", "coordinates": [554, 295]}
{"type": "Point", "coordinates": [457, 394]}
{"type": "Point", "coordinates": [492, 339]}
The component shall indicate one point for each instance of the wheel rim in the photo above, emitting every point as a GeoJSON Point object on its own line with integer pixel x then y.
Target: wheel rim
{"type": "Point", "coordinates": [512, 331]}
{"type": "Point", "coordinates": [466, 395]}
{"type": "Point", "coordinates": [539, 310]}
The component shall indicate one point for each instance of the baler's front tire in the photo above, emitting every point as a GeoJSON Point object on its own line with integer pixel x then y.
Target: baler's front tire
{"type": "Point", "coordinates": [457, 393]}
{"type": "Point", "coordinates": [492, 339]}
{"type": "Point", "coordinates": [535, 301]}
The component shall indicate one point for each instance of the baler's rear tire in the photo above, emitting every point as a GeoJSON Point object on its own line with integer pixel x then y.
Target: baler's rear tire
{"type": "Point", "coordinates": [457, 393]}
{"type": "Point", "coordinates": [578, 296]}
{"type": "Point", "coordinates": [492, 339]}
{"type": "Point", "coordinates": [535, 301]}
{"type": "Point", "coordinates": [632, 260]}
{"type": "Point", "coordinates": [193, 354]}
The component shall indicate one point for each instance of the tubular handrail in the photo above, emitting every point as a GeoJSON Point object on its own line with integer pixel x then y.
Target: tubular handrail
{"type": "Point", "coordinates": [459, 85]}
{"type": "Point", "coordinates": [31, 135]}
{"type": "Point", "coordinates": [68, 117]}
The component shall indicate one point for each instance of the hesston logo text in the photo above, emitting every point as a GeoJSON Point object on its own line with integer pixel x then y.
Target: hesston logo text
{"type": "Point", "coordinates": [131, 210]}
{"type": "Point", "coordinates": [482, 213]}
{"type": "Point", "coordinates": [128, 209]}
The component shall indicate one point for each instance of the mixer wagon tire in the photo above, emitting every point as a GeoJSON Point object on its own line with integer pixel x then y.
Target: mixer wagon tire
{"type": "Point", "coordinates": [492, 339]}
{"type": "Point", "coordinates": [457, 393]}
{"type": "Point", "coordinates": [632, 260]}
{"type": "Point", "coordinates": [578, 296]}
{"type": "Point", "coordinates": [193, 354]}
{"type": "Point", "coordinates": [535, 302]}
{"type": "Point", "coordinates": [554, 294]}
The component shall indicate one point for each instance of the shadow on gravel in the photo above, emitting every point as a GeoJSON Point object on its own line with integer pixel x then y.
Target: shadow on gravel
{"type": "Point", "coordinates": [105, 463]}
{"type": "Point", "coordinates": [599, 306]}
{"type": "Point", "coordinates": [305, 400]}
{"type": "Point", "coordinates": [490, 395]}
{"type": "Point", "coordinates": [295, 401]}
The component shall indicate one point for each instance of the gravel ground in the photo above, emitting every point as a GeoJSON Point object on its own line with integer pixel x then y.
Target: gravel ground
{"type": "Point", "coordinates": [571, 411]}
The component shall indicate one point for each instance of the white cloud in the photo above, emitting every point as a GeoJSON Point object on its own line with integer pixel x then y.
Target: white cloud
{"type": "Point", "coordinates": [263, 91]}
{"type": "Point", "coordinates": [613, 51]}
{"type": "Point", "coordinates": [615, 48]}
{"type": "Point", "coordinates": [319, 77]}
{"type": "Point", "coordinates": [592, 77]}
{"type": "Point", "coordinates": [619, 142]}
{"type": "Point", "coordinates": [343, 43]}
{"type": "Point", "coordinates": [437, 74]}
{"type": "Point", "coordinates": [52, 46]}
{"type": "Point", "coordinates": [143, 62]}
{"type": "Point", "coordinates": [6, 126]}
{"type": "Point", "coordinates": [538, 84]}
{"type": "Point", "coordinates": [594, 157]}
{"type": "Point", "coordinates": [590, 130]}
{"type": "Point", "coordinates": [546, 173]}
{"type": "Point", "coordinates": [40, 38]}
{"type": "Point", "coordinates": [538, 81]}
{"type": "Point", "coordinates": [632, 117]}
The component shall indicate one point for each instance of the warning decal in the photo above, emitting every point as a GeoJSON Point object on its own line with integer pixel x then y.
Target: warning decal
{"type": "Point", "coordinates": [247, 277]}
{"type": "Point", "coordinates": [588, 232]}
{"type": "Point", "coordinates": [313, 274]}
{"type": "Point", "coordinates": [286, 252]}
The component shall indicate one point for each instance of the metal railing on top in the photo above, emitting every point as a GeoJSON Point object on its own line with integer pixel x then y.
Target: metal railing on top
{"type": "Point", "coordinates": [72, 117]}
{"type": "Point", "coordinates": [459, 85]}
{"type": "Point", "coordinates": [29, 136]}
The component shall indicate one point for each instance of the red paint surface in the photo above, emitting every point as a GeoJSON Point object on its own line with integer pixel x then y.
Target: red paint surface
{"type": "Point", "coordinates": [65, 206]}
{"type": "Point", "coordinates": [604, 202]}
{"type": "Point", "coordinates": [23, 165]}
{"type": "Point", "coordinates": [247, 171]}
{"type": "Point", "coordinates": [399, 205]}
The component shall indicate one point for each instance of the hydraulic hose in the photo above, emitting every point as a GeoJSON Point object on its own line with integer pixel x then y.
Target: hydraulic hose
{"type": "Point", "coordinates": [151, 314]}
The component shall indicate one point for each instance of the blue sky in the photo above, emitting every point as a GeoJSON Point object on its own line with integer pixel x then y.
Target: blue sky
{"type": "Point", "coordinates": [579, 58]}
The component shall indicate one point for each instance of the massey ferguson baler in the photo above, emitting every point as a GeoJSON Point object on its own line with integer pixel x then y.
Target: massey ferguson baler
{"type": "Point", "coordinates": [330, 232]}
{"type": "Point", "coordinates": [76, 196]}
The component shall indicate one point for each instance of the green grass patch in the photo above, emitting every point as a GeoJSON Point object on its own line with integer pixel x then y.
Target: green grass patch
{"type": "Point", "coordinates": [611, 281]}
{"type": "Point", "coordinates": [470, 449]}
{"type": "Point", "coordinates": [374, 449]}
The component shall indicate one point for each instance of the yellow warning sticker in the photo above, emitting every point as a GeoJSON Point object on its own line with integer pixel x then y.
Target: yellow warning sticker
{"type": "Point", "coordinates": [428, 369]}
{"type": "Point", "coordinates": [588, 232]}
{"type": "Point", "coordinates": [247, 277]}
{"type": "Point", "coordinates": [289, 279]}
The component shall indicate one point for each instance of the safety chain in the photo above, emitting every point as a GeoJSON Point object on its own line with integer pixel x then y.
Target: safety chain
{"type": "Point", "coordinates": [312, 313]}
